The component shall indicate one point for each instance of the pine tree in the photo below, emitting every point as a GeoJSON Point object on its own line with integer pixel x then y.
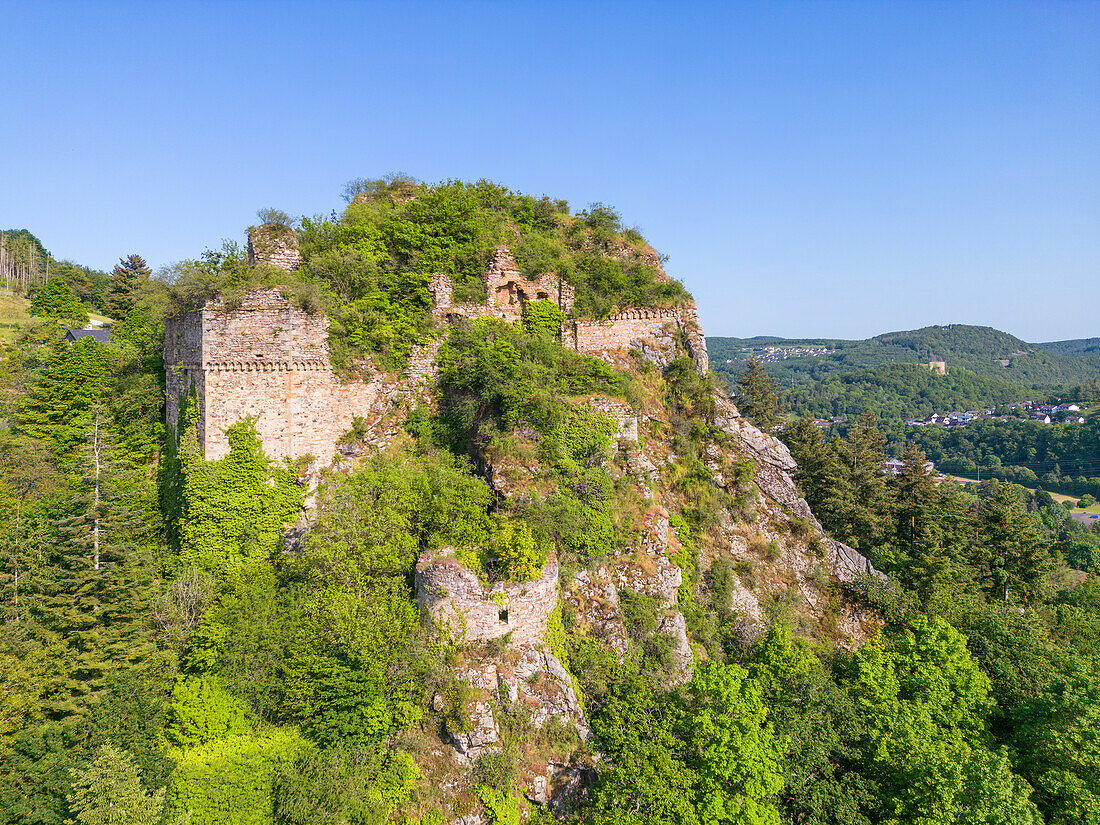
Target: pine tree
{"type": "Point", "coordinates": [757, 397]}
{"type": "Point", "coordinates": [70, 382]}
{"type": "Point", "coordinates": [1011, 555]}
{"type": "Point", "coordinates": [128, 276]}
{"type": "Point", "coordinates": [109, 792]}
{"type": "Point", "coordinates": [866, 510]}
{"type": "Point", "coordinates": [100, 587]}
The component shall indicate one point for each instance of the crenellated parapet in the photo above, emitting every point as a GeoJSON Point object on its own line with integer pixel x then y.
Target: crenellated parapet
{"type": "Point", "coordinates": [268, 360]}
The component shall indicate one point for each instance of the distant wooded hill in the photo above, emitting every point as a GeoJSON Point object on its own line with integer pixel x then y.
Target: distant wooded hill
{"type": "Point", "coordinates": [986, 352]}
{"type": "Point", "coordinates": [1075, 346]}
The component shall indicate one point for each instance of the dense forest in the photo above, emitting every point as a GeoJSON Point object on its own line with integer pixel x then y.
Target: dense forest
{"type": "Point", "coordinates": [170, 654]}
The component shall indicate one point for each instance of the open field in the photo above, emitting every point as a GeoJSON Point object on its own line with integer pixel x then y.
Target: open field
{"type": "Point", "coordinates": [13, 317]}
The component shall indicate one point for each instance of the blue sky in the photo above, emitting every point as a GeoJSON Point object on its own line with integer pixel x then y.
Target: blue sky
{"type": "Point", "coordinates": [810, 168]}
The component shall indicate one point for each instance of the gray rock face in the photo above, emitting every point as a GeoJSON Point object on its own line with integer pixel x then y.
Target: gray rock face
{"type": "Point", "coordinates": [676, 626]}
{"type": "Point", "coordinates": [483, 731]}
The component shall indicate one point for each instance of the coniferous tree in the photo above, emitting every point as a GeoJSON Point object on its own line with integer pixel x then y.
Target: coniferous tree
{"type": "Point", "coordinates": [100, 582]}
{"type": "Point", "coordinates": [757, 398]}
{"type": "Point", "coordinates": [866, 512]}
{"type": "Point", "coordinates": [1010, 554]}
{"type": "Point", "coordinates": [109, 792]}
{"type": "Point", "coordinates": [825, 486]}
{"type": "Point", "coordinates": [59, 400]}
{"type": "Point", "coordinates": [129, 274]}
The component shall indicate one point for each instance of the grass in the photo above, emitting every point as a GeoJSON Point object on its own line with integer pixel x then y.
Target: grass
{"type": "Point", "coordinates": [13, 317]}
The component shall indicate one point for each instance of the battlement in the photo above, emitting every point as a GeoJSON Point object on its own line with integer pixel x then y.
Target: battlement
{"type": "Point", "coordinates": [633, 327]}
{"type": "Point", "coordinates": [264, 359]}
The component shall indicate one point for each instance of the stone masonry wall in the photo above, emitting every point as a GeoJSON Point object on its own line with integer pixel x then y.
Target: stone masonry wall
{"type": "Point", "coordinates": [267, 360]}
{"type": "Point", "coordinates": [461, 606]}
{"type": "Point", "coordinates": [508, 288]}
{"type": "Point", "coordinates": [275, 245]}
{"type": "Point", "coordinates": [625, 329]}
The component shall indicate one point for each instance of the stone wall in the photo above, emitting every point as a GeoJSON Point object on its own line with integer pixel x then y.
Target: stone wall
{"type": "Point", "coordinates": [439, 284]}
{"type": "Point", "coordinates": [461, 606]}
{"type": "Point", "coordinates": [267, 360]}
{"type": "Point", "coordinates": [275, 245]}
{"type": "Point", "coordinates": [634, 326]}
{"type": "Point", "coordinates": [509, 289]}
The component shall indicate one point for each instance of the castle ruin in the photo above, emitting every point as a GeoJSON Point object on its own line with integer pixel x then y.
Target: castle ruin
{"type": "Point", "coordinates": [269, 360]}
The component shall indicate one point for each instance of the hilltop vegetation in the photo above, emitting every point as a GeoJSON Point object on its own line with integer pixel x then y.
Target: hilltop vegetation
{"type": "Point", "coordinates": [1074, 347]}
{"type": "Point", "coordinates": [26, 265]}
{"type": "Point", "coordinates": [369, 267]}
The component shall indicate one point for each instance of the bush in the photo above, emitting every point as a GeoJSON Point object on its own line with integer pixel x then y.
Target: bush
{"type": "Point", "coordinates": [517, 554]}
{"type": "Point", "coordinates": [229, 781]}
{"type": "Point", "coordinates": [201, 711]}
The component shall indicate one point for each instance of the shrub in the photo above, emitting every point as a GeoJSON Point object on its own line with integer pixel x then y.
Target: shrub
{"type": "Point", "coordinates": [202, 710]}
{"type": "Point", "coordinates": [271, 216]}
{"type": "Point", "coordinates": [229, 781]}
{"type": "Point", "coordinates": [517, 553]}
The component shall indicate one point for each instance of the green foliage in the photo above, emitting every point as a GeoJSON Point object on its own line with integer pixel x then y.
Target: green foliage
{"type": "Point", "coordinates": [925, 702]}
{"type": "Point", "coordinates": [56, 300]}
{"type": "Point", "coordinates": [496, 374]}
{"type": "Point", "coordinates": [543, 317]}
{"type": "Point", "coordinates": [59, 403]}
{"type": "Point", "coordinates": [201, 711]}
{"type": "Point", "coordinates": [233, 510]}
{"type": "Point", "coordinates": [502, 808]}
{"type": "Point", "coordinates": [1060, 457]}
{"type": "Point", "coordinates": [516, 552]}
{"type": "Point", "coordinates": [757, 397]}
{"type": "Point", "coordinates": [337, 786]}
{"type": "Point", "coordinates": [978, 350]}
{"type": "Point", "coordinates": [229, 781]}
{"type": "Point", "coordinates": [360, 664]}
{"type": "Point", "coordinates": [708, 756]}
{"type": "Point", "coordinates": [129, 276]}
{"type": "Point", "coordinates": [109, 792]}
{"type": "Point", "coordinates": [843, 480]}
